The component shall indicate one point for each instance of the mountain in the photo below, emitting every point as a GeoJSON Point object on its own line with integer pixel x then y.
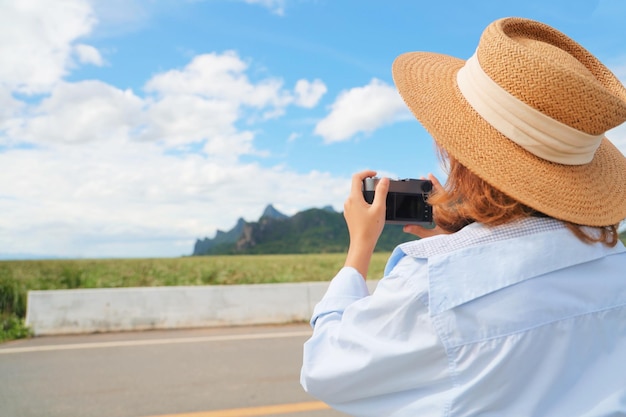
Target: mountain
{"type": "Point", "coordinates": [310, 231]}
{"type": "Point", "coordinates": [272, 213]}
{"type": "Point", "coordinates": [207, 245]}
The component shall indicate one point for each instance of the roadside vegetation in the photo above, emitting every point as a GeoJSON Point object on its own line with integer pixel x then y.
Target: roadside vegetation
{"type": "Point", "coordinates": [19, 277]}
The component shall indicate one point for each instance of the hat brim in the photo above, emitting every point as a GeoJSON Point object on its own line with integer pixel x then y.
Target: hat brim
{"type": "Point", "coordinates": [592, 194]}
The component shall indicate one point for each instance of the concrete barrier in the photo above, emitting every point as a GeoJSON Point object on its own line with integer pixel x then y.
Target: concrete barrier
{"type": "Point", "coordinates": [124, 309]}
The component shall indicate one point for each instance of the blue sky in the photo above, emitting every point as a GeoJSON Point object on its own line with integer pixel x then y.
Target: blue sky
{"type": "Point", "coordinates": [131, 128]}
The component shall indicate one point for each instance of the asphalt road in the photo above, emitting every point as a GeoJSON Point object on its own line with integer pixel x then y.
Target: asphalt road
{"type": "Point", "coordinates": [245, 371]}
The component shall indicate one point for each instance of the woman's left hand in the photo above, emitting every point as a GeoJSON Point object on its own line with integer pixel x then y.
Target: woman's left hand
{"type": "Point", "coordinates": [423, 232]}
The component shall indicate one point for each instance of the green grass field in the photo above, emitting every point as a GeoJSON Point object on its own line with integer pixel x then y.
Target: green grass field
{"type": "Point", "coordinates": [19, 277]}
{"type": "Point", "coordinates": [209, 270]}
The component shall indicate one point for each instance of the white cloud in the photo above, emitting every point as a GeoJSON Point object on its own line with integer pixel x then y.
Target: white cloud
{"type": "Point", "coordinates": [293, 137]}
{"type": "Point", "coordinates": [78, 201]}
{"type": "Point", "coordinates": [230, 147]}
{"type": "Point", "coordinates": [81, 112]}
{"type": "Point", "coordinates": [276, 6]}
{"type": "Point", "coordinates": [210, 75]}
{"type": "Point", "coordinates": [223, 77]}
{"type": "Point", "coordinates": [201, 102]}
{"type": "Point", "coordinates": [9, 106]}
{"type": "Point", "coordinates": [38, 37]}
{"type": "Point", "coordinates": [308, 94]}
{"type": "Point", "coordinates": [87, 54]}
{"type": "Point", "coordinates": [206, 98]}
{"type": "Point", "coordinates": [362, 109]}
{"type": "Point", "coordinates": [180, 119]}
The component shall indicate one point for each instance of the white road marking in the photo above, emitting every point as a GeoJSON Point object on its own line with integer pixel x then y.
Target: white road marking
{"type": "Point", "coordinates": [149, 342]}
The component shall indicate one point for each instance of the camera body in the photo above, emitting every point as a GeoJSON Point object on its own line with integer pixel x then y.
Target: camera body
{"type": "Point", "coordinates": [406, 201]}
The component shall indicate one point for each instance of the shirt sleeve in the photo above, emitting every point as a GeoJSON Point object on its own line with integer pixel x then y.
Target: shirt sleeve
{"type": "Point", "coordinates": [347, 287]}
{"type": "Point", "coordinates": [372, 355]}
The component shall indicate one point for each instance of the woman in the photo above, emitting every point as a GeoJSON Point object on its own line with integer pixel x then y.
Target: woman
{"type": "Point", "coordinates": [517, 305]}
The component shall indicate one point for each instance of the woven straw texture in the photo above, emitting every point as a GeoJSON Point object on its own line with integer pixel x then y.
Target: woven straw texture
{"type": "Point", "coordinates": [527, 59]}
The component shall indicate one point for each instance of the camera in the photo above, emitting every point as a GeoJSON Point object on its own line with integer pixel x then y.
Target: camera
{"type": "Point", "coordinates": [406, 201]}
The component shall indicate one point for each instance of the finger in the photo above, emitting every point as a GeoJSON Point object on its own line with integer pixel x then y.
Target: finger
{"type": "Point", "coordinates": [436, 184]}
{"type": "Point", "coordinates": [420, 231]}
{"type": "Point", "coordinates": [413, 229]}
{"type": "Point", "coordinates": [357, 181]}
{"type": "Point", "coordinates": [380, 196]}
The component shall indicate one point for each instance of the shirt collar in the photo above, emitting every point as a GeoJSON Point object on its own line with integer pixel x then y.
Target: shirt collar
{"type": "Point", "coordinates": [479, 260]}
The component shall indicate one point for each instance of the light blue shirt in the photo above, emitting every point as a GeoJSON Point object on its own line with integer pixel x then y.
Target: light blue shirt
{"type": "Point", "coordinates": [517, 320]}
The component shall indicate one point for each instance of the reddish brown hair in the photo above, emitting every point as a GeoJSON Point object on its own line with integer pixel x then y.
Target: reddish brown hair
{"type": "Point", "coordinates": [467, 199]}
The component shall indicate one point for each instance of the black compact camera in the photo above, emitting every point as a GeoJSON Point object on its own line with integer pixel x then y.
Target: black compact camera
{"type": "Point", "coordinates": [406, 201]}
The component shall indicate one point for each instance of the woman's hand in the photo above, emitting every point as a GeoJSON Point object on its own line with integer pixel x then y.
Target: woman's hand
{"type": "Point", "coordinates": [365, 221]}
{"type": "Point", "coordinates": [423, 232]}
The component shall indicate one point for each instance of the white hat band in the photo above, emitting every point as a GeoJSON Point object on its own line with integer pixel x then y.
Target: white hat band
{"type": "Point", "coordinates": [534, 131]}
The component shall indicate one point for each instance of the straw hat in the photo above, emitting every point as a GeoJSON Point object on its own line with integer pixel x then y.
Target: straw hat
{"type": "Point", "coordinates": [527, 113]}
